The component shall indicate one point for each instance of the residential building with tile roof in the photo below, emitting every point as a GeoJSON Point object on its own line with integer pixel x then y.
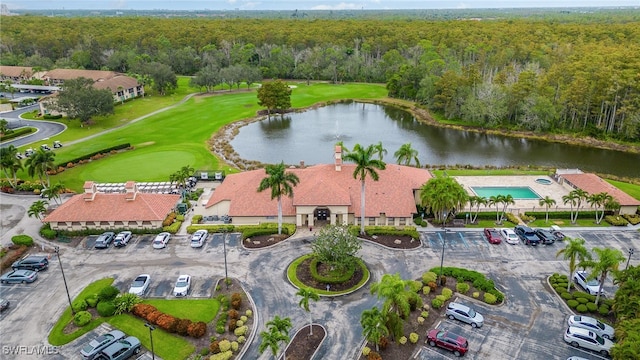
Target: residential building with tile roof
{"type": "Point", "coordinates": [16, 74]}
{"type": "Point", "coordinates": [593, 184]}
{"type": "Point", "coordinates": [132, 210]}
{"type": "Point", "coordinates": [326, 193]}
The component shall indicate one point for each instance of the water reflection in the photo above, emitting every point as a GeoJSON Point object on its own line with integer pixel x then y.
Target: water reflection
{"type": "Point", "coordinates": [310, 137]}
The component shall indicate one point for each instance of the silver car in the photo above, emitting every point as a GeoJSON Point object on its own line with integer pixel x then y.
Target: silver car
{"type": "Point", "coordinates": [592, 324]}
{"type": "Point", "coordinates": [589, 285]}
{"type": "Point", "coordinates": [465, 314]}
{"type": "Point", "coordinates": [583, 338]}
{"type": "Point", "coordinates": [93, 347]}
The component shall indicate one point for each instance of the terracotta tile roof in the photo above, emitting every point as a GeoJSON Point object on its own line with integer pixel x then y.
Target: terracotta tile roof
{"type": "Point", "coordinates": [16, 71]}
{"type": "Point", "coordinates": [66, 74]}
{"type": "Point", "coordinates": [115, 207]}
{"type": "Point", "coordinates": [593, 184]}
{"type": "Point", "coordinates": [322, 185]}
{"type": "Point", "coordinates": [126, 82]}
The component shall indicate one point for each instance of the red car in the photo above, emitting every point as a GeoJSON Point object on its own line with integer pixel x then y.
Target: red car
{"type": "Point", "coordinates": [492, 235]}
{"type": "Point", "coordinates": [448, 340]}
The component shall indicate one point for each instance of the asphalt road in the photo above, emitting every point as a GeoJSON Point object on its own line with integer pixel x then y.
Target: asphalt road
{"type": "Point", "coordinates": [529, 324]}
{"type": "Point", "coordinates": [46, 129]}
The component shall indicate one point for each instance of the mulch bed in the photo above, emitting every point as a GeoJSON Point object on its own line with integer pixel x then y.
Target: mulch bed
{"type": "Point", "coordinates": [263, 241]}
{"type": "Point", "coordinates": [303, 345]}
{"type": "Point", "coordinates": [303, 272]}
{"type": "Point", "coordinates": [406, 242]}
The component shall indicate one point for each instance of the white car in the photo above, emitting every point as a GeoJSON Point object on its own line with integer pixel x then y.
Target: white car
{"type": "Point", "coordinates": [198, 238]}
{"type": "Point", "coordinates": [509, 236]}
{"type": "Point", "coordinates": [591, 285]}
{"type": "Point", "coordinates": [465, 314]}
{"type": "Point", "coordinates": [592, 324]}
{"type": "Point", "coordinates": [583, 338]}
{"type": "Point", "coordinates": [161, 240]}
{"type": "Point", "coordinates": [122, 239]}
{"type": "Point", "coordinates": [140, 284]}
{"type": "Point", "coordinates": [182, 286]}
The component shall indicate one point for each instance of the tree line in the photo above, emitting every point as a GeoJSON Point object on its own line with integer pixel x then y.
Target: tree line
{"type": "Point", "coordinates": [540, 75]}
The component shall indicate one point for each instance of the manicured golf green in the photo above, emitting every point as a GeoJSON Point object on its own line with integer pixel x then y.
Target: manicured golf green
{"type": "Point", "coordinates": [167, 141]}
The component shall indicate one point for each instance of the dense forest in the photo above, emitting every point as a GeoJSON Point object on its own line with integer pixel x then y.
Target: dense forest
{"type": "Point", "coordinates": [580, 75]}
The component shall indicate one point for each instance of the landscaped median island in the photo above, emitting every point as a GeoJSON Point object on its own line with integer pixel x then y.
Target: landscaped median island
{"type": "Point", "coordinates": [217, 326]}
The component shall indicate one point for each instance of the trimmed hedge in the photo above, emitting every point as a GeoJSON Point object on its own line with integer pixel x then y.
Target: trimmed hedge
{"type": "Point", "coordinates": [25, 240]}
{"type": "Point", "coordinates": [106, 308]}
{"type": "Point", "coordinates": [249, 230]}
{"type": "Point", "coordinates": [616, 220]}
{"type": "Point", "coordinates": [17, 132]}
{"type": "Point", "coordinates": [82, 318]}
{"type": "Point", "coordinates": [90, 155]}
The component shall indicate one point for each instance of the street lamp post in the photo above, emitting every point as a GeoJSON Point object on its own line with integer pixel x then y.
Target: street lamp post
{"type": "Point", "coordinates": [444, 241]}
{"type": "Point", "coordinates": [630, 251]}
{"type": "Point", "coordinates": [57, 250]}
{"type": "Point", "coordinates": [151, 328]}
{"type": "Point", "coordinates": [226, 275]}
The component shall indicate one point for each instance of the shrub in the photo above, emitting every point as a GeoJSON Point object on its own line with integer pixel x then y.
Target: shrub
{"type": "Point", "coordinates": [225, 345]}
{"type": "Point", "coordinates": [82, 318]}
{"type": "Point", "coordinates": [167, 322]}
{"type": "Point", "coordinates": [567, 296]}
{"type": "Point", "coordinates": [415, 286]}
{"type": "Point", "coordinates": [436, 303]}
{"type": "Point", "coordinates": [447, 293]}
{"type": "Point", "coordinates": [462, 287]}
{"type": "Point", "coordinates": [239, 323]}
{"type": "Point", "coordinates": [413, 337]}
{"type": "Point", "coordinates": [582, 300]}
{"type": "Point", "coordinates": [241, 339]}
{"type": "Point", "coordinates": [125, 302]}
{"type": "Point", "coordinates": [249, 313]}
{"type": "Point", "coordinates": [441, 298]}
{"type": "Point", "coordinates": [153, 316]}
{"type": "Point", "coordinates": [142, 310]}
{"type": "Point", "coordinates": [420, 320]}
{"type": "Point", "coordinates": [490, 298]}
{"type": "Point", "coordinates": [79, 305]}
{"type": "Point", "coordinates": [424, 314]}
{"type": "Point", "coordinates": [603, 310]}
{"type": "Point", "coordinates": [476, 294]}
{"type": "Point", "coordinates": [402, 340]}
{"type": "Point", "coordinates": [108, 293]}
{"type": "Point", "coordinates": [182, 326]}
{"type": "Point", "coordinates": [106, 308]}
{"type": "Point", "coordinates": [25, 240]}
{"type": "Point", "coordinates": [236, 301]}
{"type": "Point", "coordinates": [233, 314]}
{"type": "Point", "coordinates": [197, 329]}
{"type": "Point", "coordinates": [242, 330]}
{"type": "Point", "coordinates": [572, 303]}
{"type": "Point", "coordinates": [366, 350]}
{"type": "Point", "coordinates": [232, 325]}
{"type": "Point", "coordinates": [244, 318]}
{"type": "Point", "coordinates": [426, 290]}
{"type": "Point", "coordinates": [92, 300]}
{"type": "Point", "coordinates": [582, 308]}
{"type": "Point", "coordinates": [220, 329]}
{"type": "Point", "coordinates": [592, 307]}
{"type": "Point", "coordinates": [563, 285]}
{"type": "Point", "coordinates": [222, 356]}
{"type": "Point", "coordinates": [428, 277]}
{"type": "Point", "coordinates": [234, 346]}
{"type": "Point", "coordinates": [214, 347]}
{"type": "Point", "coordinates": [383, 343]}
{"type": "Point", "coordinates": [374, 356]}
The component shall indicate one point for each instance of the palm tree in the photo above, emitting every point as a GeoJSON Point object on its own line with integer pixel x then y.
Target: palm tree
{"type": "Point", "coordinates": [307, 294]}
{"type": "Point", "coordinates": [271, 339]}
{"type": "Point", "coordinates": [373, 326]}
{"type": "Point", "coordinates": [40, 163]}
{"type": "Point", "coordinates": [365, 165]}
{"type": "Point", "coordinates": [405, 154]}
{"type": "Point", "coordinates": [547, 202]}
{"type": "Point", "coordinates": [443, 196]}
{"type": "Point", "coordinates": [496, 200]}
{"type": "Point", "coordinates": [54, 191]}
{"type": "Point", "coordinates": [380, 150]}
{"type": "Point", "coordinates": [476, 201]}
{"type": "Point", "coordinates": [283, 325]}
{"type": "Point", "coordinates": [598, 201]}
{"type": "Point", "coordinates": [574, 250]}
{"type": "Point", "coordinates": [397, 301]}
{"type": "Point", "coordinates": [572, 200]}
{"type": "Point", "coordinates": [281, 183]}
{"type": "Point", "coordinates": [506, 201]}
{"type": "Point", "coordinates": [37, 209]}
{"type": "Point", "coordinates": [10, 163]}
{"type": "Point", "coordinates": [575, 198]}
{"type": "Point", "coordinates": [608, 261]}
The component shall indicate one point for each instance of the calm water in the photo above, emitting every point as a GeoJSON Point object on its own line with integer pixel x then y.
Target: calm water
{"type": "Point", "coordinates": [311, 136]}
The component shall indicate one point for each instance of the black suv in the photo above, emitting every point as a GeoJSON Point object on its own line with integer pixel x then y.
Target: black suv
{"type": "Point", "coordinates": [546, 236]}
{"type": "Point", "coordinates": [527, 235]}
{"type": "Point", "coordinates": [35, 263]}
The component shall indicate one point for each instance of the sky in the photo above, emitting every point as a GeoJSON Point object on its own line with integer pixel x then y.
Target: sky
{"type": "Point", "coordinates": [303, 4]}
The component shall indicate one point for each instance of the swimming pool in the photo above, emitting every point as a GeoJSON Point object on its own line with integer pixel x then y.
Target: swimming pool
{"type": "Point", "coordinates": [517, 192]}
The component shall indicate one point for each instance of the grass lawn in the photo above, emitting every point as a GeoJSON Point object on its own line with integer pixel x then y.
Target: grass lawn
{"type": "Point", "coordinates": [169, 140]}
{"type": "Point", "coordinates": [632, 189]}
{"type": "Point", "coordinates": [57, 337]}
{"type": "Point", "coordinates": [192, 309]}
{"type": "Point", "coordinates": [165, 345]}
{"type": "Point", "coordinates": [566, 223]}
{"type": "Point", "coordinates": [487, 172]}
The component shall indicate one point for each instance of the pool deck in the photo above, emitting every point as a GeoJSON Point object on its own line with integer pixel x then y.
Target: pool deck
{"type": "Point", "coordinates": [553, 190]}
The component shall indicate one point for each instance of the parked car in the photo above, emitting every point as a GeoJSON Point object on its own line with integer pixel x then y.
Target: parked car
{"type": "Point", "coordinates": [182, 286]}
{"type": "Point", "coordinates": [527, 235]}
{"type": "Point", "coordinates": [589, 285]}
{"type": "Point", "coordinates": [161, 240]}
{"type": "Point", "coordinates": [583, 338]}
{"type": "Point", "coordinates": [492, 235]}
{"type": "Point", "coordinates": [465, 314]}
{"type": "Point", "coordinates": [122, 239]}
{"type": "Point", "coordinates": [546, 236]}
{"type": "Point", "coordinates": [198, 238]}
{"type": "Point", "coordinates": [32, 262]}
{"type": "Point", "coordinates": [121, 349]}
{"type": "Point", "coordinates": [140, 284]}
{"type": "Point", "coordinates": [93, 347]}
{"type": "Point", "coordinates": [555, 230]}
{"type": "Point", "coordinates": [4, 304]}
{"type": "Point", "coordinates": [592, 324]}
{"type": "Point", "coordinates": [104, 240]}
{"type": "Point", "coordinates": [448, 340]}
{"type": "Point", "coordinates": [19, 276]}
{"type": "Point", "coordinates": [509, 236]}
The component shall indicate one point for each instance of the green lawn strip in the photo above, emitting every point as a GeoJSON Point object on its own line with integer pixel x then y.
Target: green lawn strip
{"type": "Point", "coordinates": [632, 189]}
{"type": "Point", "coordinates": [192, 309]}
{"type": "Point", "coordinates": [487, 172]}
{"type": "Point", "coordinates": [291, 275]}
{"type": "Point", "coordinates": [566, 223]}
{"type": "Point", "coordinates": [57, 337]}
{"type": "Point", "coordinates": [165, 345]}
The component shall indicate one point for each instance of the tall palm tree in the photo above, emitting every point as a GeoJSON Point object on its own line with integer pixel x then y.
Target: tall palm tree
{"type": "Point", "coordinates": [271, 339]}
{"type": "Point", "coordinates": [365, 165]}
{"type": "Point", "coordinates": [443, 196]}
{"type": "Point", "coordinates": [579, 195]}
{"type": "Point", "coordinates": [40, 163]}
{"type": "Point", "coordinates": [496, 200]}
{"type": "Point", "coordinates": [598, 201]}
{"type": "Point", "coordinates": [405, 154]}
{"type": "Point", "coordinates": [373, 326]}
{"type": "Point", "coordinates": [572, 199]}
{"type": "Point", "coordinates": [574, 250]}
{"type": "Point", "coordinates": [476, 201]}
{"type": "Point", "coordinates": [608, 261]}
{"type": "Point", "coordinates": [10, 163]}
{"type": "Point", "coordinates": [306, 295]}
{"type": "Point", "coordinates": [380, 150]}
{"type": "Point", "coordinates": [283, 325]}
{"type": "Point", "coordinates": [281, 183]}
{"type": "Point", "coordinates": [37, 209]}
{"type": "Point", "coordinates": [506, 201]}
{"type": "Point", "coordinates": [397, 299]}
{"type": "Point", "coordinates": [547, 202]}
{"type": "Point", "coordinates": [54, 191]}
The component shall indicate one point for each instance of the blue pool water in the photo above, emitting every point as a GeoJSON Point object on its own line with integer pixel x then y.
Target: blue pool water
{"type": "Point", "coordinates": [517, 192]}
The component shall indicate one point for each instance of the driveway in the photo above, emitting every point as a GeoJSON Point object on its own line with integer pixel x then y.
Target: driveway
{"type": "Point", "coordinates": [530, 322]}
